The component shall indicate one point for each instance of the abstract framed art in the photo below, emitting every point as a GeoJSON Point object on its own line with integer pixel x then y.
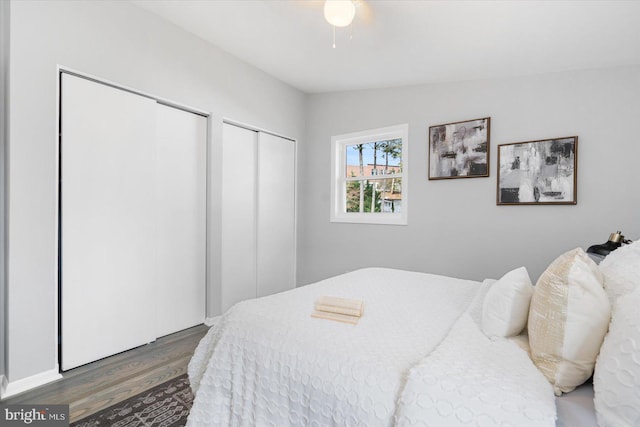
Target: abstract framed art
{"type": "Point", "coordinates": [540, 172]}
{"type": "Point", "coordinates": [460, 149]}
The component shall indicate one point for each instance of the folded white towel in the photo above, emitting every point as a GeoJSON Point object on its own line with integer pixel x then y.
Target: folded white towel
{"type": "Point", "coordinates": [344, 318]}
{"type": "Point", "coordinates": [338, 309]}
{"type": "Point", "coordinates": [338, 305]}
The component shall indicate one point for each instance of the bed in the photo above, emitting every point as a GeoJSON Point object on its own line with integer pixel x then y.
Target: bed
{"type": "Point", "coordinates": [417, 356]}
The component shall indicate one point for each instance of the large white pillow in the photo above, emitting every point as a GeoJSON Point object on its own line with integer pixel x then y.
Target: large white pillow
{"type": "Point", "coordinates": [506, 306]}
{"type": "Point", "coordinates": [616, 381]}
{"type": "Point", "coordinates": [621, 270]}
{"type": "Point", "coordinates": [568, 320]}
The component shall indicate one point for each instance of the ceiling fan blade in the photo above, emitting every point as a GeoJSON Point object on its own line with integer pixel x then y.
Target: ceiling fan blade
{"type": "Point", "coordinates": [364, 12]}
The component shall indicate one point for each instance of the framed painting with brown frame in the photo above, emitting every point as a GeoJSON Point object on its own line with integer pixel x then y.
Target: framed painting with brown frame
{"type": "Point", "coordinates": [540, 172]}
{"type": "Point", "coordinates": [460, 149]}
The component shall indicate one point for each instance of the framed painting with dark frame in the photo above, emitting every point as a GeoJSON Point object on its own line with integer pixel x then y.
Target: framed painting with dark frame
{"type": "Point", "coordinates": [460, 149]}
{"type": "Point", "coordinates": [540, 172]}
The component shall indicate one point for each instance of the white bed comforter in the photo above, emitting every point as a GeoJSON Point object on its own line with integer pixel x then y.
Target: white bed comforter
{"type": "Point", "coordinates": [268, 363]}
{"type": "Point", "coordinates": [471, 380]}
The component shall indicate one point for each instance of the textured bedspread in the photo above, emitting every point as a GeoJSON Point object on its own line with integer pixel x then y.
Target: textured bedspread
{"type": "Point", "coordinates": [267, 362]}
{"type": "Point", "coordinates": [471, 380]}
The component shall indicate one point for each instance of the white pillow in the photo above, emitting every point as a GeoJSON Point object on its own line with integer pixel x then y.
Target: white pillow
{"type": "Point", "coordinates": [616, 381]}
{"type": "Point", "coordinates": [506, 306]}
{"type": "Point", "coordinates": [568, 320]}
{"type": "Point", "coordinates": [621, 270]}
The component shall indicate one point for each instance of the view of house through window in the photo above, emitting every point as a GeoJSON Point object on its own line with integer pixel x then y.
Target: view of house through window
{"type": "Point", "coordinates": [373, 176]}
{"type": "Point", "coordinates": [370, 176]}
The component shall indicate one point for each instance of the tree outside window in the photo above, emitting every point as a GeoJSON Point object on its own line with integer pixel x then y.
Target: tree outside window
{"type": "Point", "coordinates": [370, 179]}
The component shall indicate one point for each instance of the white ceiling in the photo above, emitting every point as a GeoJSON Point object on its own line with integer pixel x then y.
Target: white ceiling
{"type": "Point", "coordinates": [405, 42]}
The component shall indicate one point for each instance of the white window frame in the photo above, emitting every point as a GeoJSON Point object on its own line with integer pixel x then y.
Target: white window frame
{"type": "Point", "coordinates": [339, 178]}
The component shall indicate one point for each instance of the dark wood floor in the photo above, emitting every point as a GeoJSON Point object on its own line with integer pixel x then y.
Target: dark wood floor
{"type": "Point", "coordinates": [90, 388]}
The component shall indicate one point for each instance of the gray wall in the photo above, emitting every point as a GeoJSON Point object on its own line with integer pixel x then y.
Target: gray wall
{"type": "Point", "coordinates": [4, 80]}
{"type": "Point", "coordinates": [455, 227]}
{"type": "Point", "coordinates": [116, 41]}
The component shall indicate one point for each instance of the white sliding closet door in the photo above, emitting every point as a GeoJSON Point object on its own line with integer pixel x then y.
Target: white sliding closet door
{"type": "Point", "coordinates": [108, 221]}
{"type": "Point", "coordinates": [258, 214]}
{"type": "Point", "coordinates": [181, 196]}
{"type": "Point", "coordinates": [239, 163]}
{"type": "Point", "coordinates": [276, 214]}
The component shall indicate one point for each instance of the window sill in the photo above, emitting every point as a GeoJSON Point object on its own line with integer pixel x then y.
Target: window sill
{"type": "Point", "coordinates": [382, 219]}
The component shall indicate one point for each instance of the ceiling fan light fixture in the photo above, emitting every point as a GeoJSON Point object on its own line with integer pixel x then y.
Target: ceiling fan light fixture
{"type": "Point", "coordinates": [339, 13]}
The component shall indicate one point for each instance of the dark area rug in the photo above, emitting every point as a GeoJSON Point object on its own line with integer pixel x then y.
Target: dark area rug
{"type": "Point", "coordinates": [165, 405]}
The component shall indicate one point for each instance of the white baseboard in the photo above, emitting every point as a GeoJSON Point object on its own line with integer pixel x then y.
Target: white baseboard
{"type": "Point", "coordinates": [210, 321]}
{"type": "Point", "coordinates": [3, 385]}
{"type": "Point", "coordinates": [11, 388]}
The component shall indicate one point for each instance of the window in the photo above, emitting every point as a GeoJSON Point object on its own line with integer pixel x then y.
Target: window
{"type": "Point", "coordinates": [369, 182]}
